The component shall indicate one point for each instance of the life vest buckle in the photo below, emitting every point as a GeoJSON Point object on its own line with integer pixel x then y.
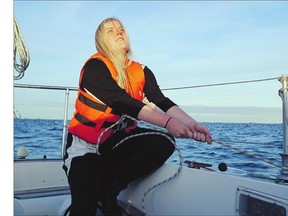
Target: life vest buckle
{"type": "Point", "coordinates": [121, 125]}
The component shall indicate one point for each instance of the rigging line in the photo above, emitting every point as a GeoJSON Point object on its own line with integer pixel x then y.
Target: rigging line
{"type": "Point", "coordinates": [249, 154]}
{"type": "Point", "coordinates": [261, 176]}
{"type": "Point", "coordinates": [17, 114]}
{"type": "Point", "coordinates": [223, 168]}
{"type": "Point", "coordinates": [241, 142]}
{"type": "Point", "coordinates": [219, 84]}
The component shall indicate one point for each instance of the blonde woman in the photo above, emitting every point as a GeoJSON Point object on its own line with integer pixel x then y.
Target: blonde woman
{"type": "Point", "coordinates": [112, 86]}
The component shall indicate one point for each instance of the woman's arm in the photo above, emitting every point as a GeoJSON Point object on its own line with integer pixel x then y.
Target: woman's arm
{"type": "Point", "coordinates": [200, 132]}
{"type": "Point", "coordinates": [181, 124]}
{"type": "Point", "coordinates": [177, 122]}
{"type": "Point", "coordinates": [153, 92]}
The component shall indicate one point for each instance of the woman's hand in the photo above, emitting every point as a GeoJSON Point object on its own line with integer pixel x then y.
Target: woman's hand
{"type": "Point", "coordinates": [200, 132]}
{"type": "Point", "coordinates": [180, 125]}
{"type": "Point", "coordinates": [178, 129]}
{"type": "Point", "coordinates": [194, 130]}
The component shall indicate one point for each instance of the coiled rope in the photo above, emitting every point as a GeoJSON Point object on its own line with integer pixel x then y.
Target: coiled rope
{"type": "Point", "coordinates": [20, 52]}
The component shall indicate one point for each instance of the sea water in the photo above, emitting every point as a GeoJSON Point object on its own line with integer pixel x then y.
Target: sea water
{"type": "Point", "coordinates": [43, 138]}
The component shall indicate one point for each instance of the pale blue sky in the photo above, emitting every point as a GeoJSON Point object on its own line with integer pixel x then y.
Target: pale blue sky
{"type": "Point", "coordinates": [184, 43]}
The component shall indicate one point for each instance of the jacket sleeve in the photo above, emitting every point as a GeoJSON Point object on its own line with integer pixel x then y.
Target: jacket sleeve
{"type": "Point", "coordinates": [153, 92]}
{"type": "Point", "coordinates": [98, 81]}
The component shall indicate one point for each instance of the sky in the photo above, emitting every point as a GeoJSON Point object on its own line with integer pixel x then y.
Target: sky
{"type": "Point", "coordinates": [184, 43]}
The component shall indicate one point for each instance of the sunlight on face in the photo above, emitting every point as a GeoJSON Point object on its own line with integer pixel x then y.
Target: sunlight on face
{"type": "Point", "coordinates": [116, 36]}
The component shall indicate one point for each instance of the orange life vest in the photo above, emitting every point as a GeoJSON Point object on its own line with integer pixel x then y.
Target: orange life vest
{"type": "Point", "coordinates": [92, 116]}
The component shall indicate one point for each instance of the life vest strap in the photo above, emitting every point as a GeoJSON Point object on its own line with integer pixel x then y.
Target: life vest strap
{"type": "Point", "coordinates": [92, 104]}
{"type": "Point", "coordinates": [84, 120]}
{"type": "Point", "coordinates": [121, 125]}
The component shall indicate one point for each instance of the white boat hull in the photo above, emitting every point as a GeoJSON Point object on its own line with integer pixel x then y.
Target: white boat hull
{"type": "Point", "coordinates": [41, 188]}
{"type": "Point", "coordinates": [197, 192]}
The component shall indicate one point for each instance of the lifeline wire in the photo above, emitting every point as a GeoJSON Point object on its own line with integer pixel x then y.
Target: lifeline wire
{"type": "Point", "coordinates": [219, 84]}
{"type": "Point", "coordinates": [249, 154]}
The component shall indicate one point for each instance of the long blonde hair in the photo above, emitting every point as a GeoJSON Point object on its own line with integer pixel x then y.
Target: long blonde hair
{"type": "Point", "coordinates": [118, 58]}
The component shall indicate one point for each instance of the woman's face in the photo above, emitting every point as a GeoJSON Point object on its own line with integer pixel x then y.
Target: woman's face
{"type": "Point", "coordinates": [116, 36]}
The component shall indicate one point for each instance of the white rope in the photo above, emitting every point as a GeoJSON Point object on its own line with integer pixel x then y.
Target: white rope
{"type": "Point", "coordinates": [249, 154]}
{"type": "Point", "coordinates": [166, 180]}
{"type": "Point", "coordinates": [20, 52]}
{"type": "Point", "coordinates": [17, 114]}
{"type": "Point", "coordinates": [122, 118]}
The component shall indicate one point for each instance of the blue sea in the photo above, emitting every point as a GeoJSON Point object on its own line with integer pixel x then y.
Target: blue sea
{"type": "Point", "coordinates": [43, 138]}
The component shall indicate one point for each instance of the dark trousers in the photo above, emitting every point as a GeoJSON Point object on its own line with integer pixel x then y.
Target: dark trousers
{"type": "Point", "coordinates": [91, 174]}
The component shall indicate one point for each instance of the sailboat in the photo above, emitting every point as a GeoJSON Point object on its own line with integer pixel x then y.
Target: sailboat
{"type": "Point", "coordinates": [41, 187]}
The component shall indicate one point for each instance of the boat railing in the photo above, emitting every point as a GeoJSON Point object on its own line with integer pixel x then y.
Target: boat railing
{"type": "Point", "coordinates": [282, 93]}
{"type": "Point", "coordinates": [65, 118]}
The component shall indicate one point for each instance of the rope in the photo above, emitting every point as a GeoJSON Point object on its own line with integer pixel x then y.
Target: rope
{"type": "Point", "coordinates": [249, 154]}
{"type": "Point", "coordinates": [219, 84]}
{"type": "Point", "coordinates": [261, 176]}
{"type": "Point", "coordinates": [17, 114]}
{"type": "Point", "coordinates": [166, 180]}
{"type": "Point", "coordinates": [122, 118]}
{"type": "Point", "coordinates": [20, 52]}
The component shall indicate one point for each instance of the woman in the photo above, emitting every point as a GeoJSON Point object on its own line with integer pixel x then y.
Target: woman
{"type": "Point", "coordinates": [111, 87]}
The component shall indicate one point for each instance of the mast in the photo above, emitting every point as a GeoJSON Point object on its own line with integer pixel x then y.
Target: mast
{"type": "Point", "coordinates": [283, 94]}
